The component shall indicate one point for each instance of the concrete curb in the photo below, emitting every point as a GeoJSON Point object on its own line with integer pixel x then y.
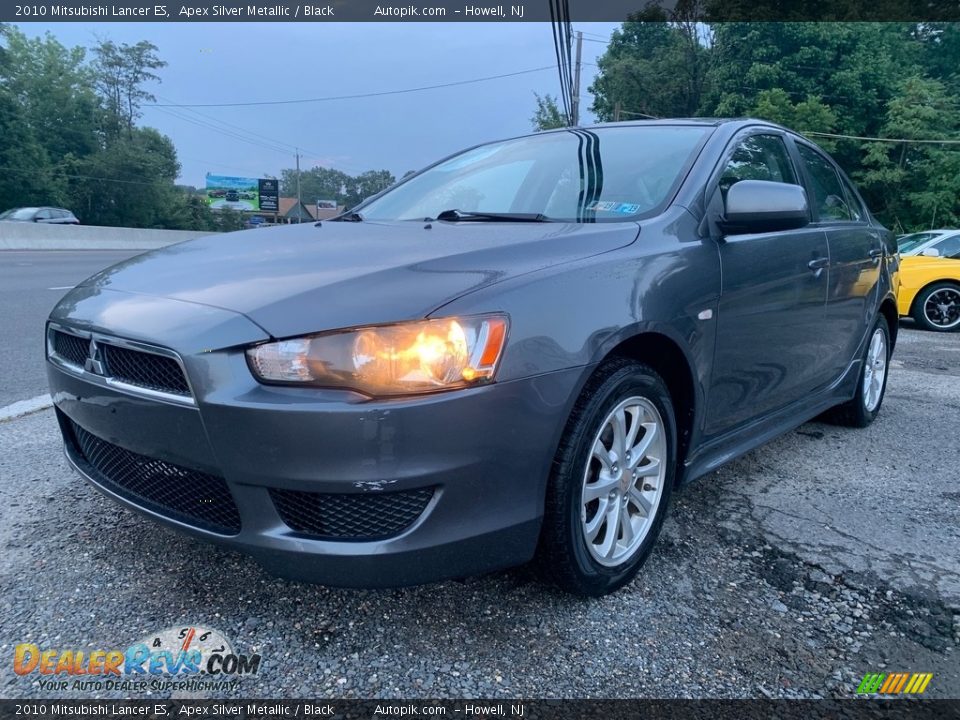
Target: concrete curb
{"type": "Point", "coordinates": [30, 236]}
{"type": "Point", "coordinates": [25, 407]}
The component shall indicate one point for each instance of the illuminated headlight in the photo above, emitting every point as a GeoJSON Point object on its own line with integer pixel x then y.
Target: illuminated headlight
{"type": "Point", "coordinates": [412, 357]}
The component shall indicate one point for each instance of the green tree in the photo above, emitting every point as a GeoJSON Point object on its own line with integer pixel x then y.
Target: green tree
{"type": "Point", "coordinates": [653, 67]}
{"type": "Point", "coordinates": [366, 184]}
{"type": "Point", "coordinates": [317, 183]}
{"type": "Point", "coordinates": [51, 85]}
{"type": "Point", "coordinates": [121, 73]}
{"type": "Point", "coordinates": [130, 182]}
{"type": "Point", "coordinates": [915, 185]}
{"type": "Point", "coordinates": [547, 116]}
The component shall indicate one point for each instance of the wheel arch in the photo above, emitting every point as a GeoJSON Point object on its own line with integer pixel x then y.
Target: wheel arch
{"type": "Point", "coordinates": [667, 357]}
{"type": "Point", "coordinates": [888, 309]}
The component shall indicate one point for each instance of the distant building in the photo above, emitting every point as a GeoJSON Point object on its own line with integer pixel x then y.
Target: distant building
{"type": "Point", "coordinates": [290, 211]}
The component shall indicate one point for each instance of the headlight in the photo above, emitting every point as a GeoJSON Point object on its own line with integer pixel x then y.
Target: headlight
{"type": "Point", "coordinates": [412, 357]}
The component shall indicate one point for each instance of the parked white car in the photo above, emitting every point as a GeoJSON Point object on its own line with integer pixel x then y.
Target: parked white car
{"type": "Point", "coordinates": [945, 241]}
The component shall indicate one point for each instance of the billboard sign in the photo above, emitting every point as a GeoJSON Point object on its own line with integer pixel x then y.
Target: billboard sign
{"type": "Point", "coordinates": [326, 204]}
{"type": "Point", "coordinates": [235, 193]}
{"type": "Point", "coordinates": [269, 194]}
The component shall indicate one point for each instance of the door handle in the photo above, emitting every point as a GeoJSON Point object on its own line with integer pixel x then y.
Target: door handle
{"type": "Point", "coordinates": [818, 263]}
{"type": "Point", "coordinates": [876, 253]}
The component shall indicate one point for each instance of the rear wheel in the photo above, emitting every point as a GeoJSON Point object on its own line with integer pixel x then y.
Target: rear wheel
{"type": "Point", "coordinates": [938, 307]}
{"type": "Point", "coordinates": [865, 406]}
{"type": "Point", "coordinates": [612, 480]}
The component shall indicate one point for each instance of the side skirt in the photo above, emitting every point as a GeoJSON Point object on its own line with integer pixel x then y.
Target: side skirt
{"type": "Point", "coordinates": [721, 450]}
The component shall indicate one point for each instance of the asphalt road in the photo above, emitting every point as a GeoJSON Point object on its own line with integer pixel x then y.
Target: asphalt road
{"type": "Point", "coordinates": [827, 554]}
{"type": "Point", "coordinates": [31, 283]}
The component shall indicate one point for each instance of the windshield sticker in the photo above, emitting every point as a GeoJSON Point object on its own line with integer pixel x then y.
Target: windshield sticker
{"type": "Point", "coordinates": [622, 208]}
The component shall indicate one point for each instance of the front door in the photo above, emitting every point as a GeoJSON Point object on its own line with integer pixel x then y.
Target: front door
{"type": "Point", "coordinates": [773, 293]}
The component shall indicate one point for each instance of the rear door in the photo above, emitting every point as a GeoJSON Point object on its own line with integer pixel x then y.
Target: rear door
{"type": "Point", "coordinates": [774, 288]}
{"type": "Point", "coordinates": [855, 258]}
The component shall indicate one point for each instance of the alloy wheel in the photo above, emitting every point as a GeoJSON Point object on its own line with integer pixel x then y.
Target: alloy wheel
{"type": "Point", "coordinates": [623, 481]}
{"type": "Point", "coordinates": [942, 308]}
{"type": "Point", "coordinates": [875, 370]}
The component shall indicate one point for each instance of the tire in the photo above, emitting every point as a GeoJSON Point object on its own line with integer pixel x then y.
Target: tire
{"type": "Point", "coordinates": [871, 383]}
{"type": "Point", "coordinates": [637, 394]}
{"type": "Point", "coordinates": [942, 316]}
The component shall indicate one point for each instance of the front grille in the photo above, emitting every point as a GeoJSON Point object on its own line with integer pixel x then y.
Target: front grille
{"type": "Point", "coordinates": [363, 516]}
{"type": "Point", "coordinates": [189, 496]}
{"type": "Point", "coordinates": [71, 348]}
{"type": "Point", "coordinates": [144, 369]}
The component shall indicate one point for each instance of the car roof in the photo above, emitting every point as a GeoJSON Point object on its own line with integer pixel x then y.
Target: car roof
{"type": "Point", "coordinates": [939, 231]}
{"type": "Point", "coordinates": [733, 124]}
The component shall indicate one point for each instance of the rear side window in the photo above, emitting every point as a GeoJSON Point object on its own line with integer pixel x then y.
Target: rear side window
{"type": "Point", "coordinates": [853, 203]}
{"type": "Point", "coordinates": [758, 157]}
{"type": "Point", "coordinates": [828, 192]}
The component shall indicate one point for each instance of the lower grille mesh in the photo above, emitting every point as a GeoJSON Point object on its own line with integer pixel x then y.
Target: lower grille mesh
{"type": "Point", "coordinates": [361, 516]}
{"type": "Point", "coordinates": [189, 496]}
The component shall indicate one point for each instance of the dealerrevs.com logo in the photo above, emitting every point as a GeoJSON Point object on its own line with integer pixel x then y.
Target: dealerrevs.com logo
{"type": "Point", "coordinates": [184, 658]}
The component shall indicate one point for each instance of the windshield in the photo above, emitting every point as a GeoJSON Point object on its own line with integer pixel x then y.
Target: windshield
{"type": "Point", "coordinates": [912, 242]}
{"type": "Point", "coordinates": [19, 214]}
{"type": "Point", "coordinates": [604, 174]}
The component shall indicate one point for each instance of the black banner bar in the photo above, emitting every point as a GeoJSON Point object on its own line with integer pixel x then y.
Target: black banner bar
{"type": "Point", "coordinates": [480, 11]}
{"type": "Point", "coordinates": [854, 709]}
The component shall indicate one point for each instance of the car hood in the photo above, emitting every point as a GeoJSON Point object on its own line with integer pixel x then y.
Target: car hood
{"type": "Point", "coordinates": [302, 278]}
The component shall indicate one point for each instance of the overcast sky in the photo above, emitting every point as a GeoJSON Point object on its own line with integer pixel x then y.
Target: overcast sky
{"type": "Point", "coordinates": [243, 62]}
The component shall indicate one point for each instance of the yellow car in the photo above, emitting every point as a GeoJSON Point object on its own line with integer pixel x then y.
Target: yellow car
{"type": "Point", "coordinates": [930, 291]}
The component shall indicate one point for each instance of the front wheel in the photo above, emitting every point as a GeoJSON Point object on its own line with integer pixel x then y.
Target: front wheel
{"type": "Point", "coordinates": [612, 480]}
{"type": "Point", "coordinates": [938, 307]}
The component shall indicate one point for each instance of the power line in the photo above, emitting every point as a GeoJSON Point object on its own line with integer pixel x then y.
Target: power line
{"type": "Point", "coordinates": [251, 133]}
{"type": "Point", "coordinates": [943, 141]}
{"type": "Point", "coordinates": [354, 96]}
{"type": "Point", "coordinates": [224, 131]}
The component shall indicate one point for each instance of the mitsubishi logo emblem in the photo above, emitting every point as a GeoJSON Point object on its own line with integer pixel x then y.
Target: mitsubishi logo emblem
{"type": "Point", "coordinates": [94, 362]}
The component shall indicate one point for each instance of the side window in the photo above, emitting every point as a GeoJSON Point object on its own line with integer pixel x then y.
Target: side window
{"type": "Point", "coordinates": [43, 215]}
{"type": "Point", "coordinates": [856, 209]}
{"type": "Point", "coordinates": [949, 248]}
{"type": "Point", "coordinates": [828, 193]}
{"type": "Point", "coordinates": [758, 157]}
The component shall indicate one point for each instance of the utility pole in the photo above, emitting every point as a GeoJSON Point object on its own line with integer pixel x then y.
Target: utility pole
{"type": "Point", "coordinates": [576, 82]}
{"type": "Point", "coordinates": [616, 111]}
{"type": "Point", "coordinates": [299, 203]}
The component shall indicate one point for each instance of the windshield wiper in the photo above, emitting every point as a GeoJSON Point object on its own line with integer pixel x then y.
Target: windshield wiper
{"type": "Point", "coordinates": [347, 217]}
{"type": "Point", "coordinates": [459, 215]}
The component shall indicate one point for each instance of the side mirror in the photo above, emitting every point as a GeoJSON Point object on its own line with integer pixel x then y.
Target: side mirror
{"type": "Point", "coordinates": [755, 206]}
{"type": "Point", "coordinates": [931, 252]}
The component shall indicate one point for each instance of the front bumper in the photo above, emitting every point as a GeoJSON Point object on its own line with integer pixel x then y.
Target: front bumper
{"type": "Point", "coordinates": [482, 457]}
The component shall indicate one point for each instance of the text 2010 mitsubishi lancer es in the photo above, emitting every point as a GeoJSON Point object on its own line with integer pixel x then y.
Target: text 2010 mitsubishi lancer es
{"type": "Point", "coordinates": [518, 352]}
